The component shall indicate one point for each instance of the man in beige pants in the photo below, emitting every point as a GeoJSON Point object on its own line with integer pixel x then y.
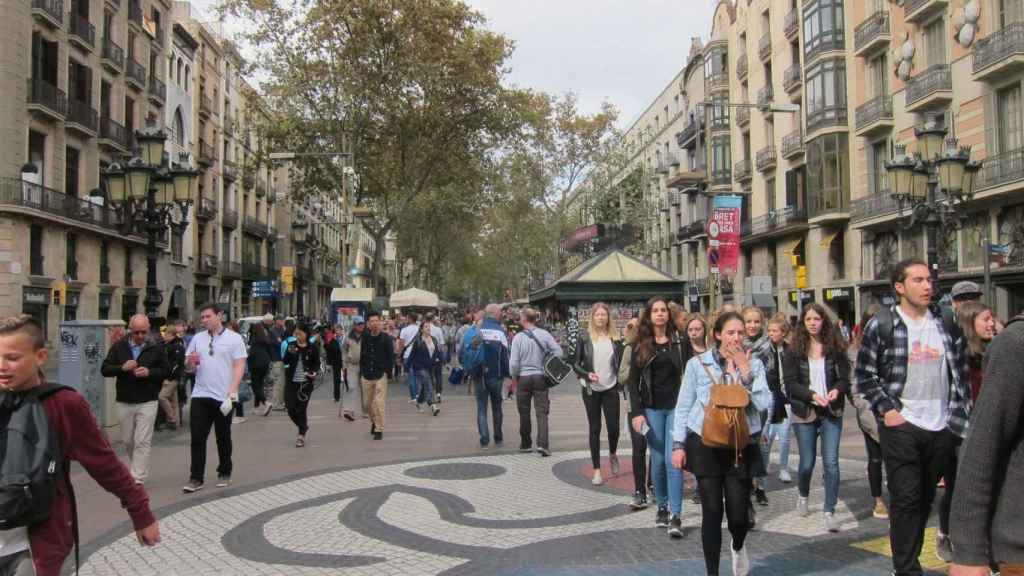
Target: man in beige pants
{"type": "Point", "coordinates": [140, 366]}
{"type": "Point", "coordinates": [376, 361]}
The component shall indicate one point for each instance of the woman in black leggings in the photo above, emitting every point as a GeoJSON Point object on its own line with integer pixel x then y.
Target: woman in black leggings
{"type": "Point", "coordinates": [597, 364]}
{"type": "Point", "coordinates": [301, 365]}
{"type": "Point", "coordinates": [637, 441]}
{"type": "Point", "coordinates": [723, 475]}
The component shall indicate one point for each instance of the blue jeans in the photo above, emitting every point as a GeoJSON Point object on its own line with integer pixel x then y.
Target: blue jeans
{"type": "Point", "coordinates": [668, 480]}
{"type": "Point", "coordinates": [425, 381]}
{"type": "Point", "coordinates": [768, 436]}
{"type": "Point", "coordinates": [410, 379]}
{"type": "Point", "coordinates": [489, 390]}
{"type": "Point", "coordinates": [830, 429]}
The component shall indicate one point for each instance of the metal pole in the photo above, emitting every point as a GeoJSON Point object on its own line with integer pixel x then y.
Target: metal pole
{"type": "Point", "coordinates": [298, 285]}
{"type": "Point", "coordinates": [153, 296]}
{"type": "Point", "coordinates": [712, 278]}
{"type": "Point", "coordinates": [988, 266]}
{"type": "Point", "coordinates": [931, 230]}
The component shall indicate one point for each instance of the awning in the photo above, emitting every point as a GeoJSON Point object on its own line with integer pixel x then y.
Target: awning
{"type": "Point", "coordinates": [352, 295]}
{"type": "Point", "coordinates": [792, 248]}
{"type": "Point", "coordinates": [826, 240]}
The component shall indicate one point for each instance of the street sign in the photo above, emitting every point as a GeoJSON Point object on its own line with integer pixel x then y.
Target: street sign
{"type": "Point", "coordinates": [263, 289]}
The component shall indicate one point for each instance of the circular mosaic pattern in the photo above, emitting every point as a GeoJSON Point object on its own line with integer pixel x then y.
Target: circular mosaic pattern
{"type": "Point", "coordinates": [456, 471]}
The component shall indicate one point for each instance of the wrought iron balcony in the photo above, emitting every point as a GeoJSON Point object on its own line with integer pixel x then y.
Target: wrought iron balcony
{"type": "Point", "coordinates": [873, 206]}
{"type": "Point", "coordinates": [917, 11]}
{"type": "Point", "coordinates": [932, 87]}
{"type": "Point", "coordinates": [46, 98]}
{"type": "Point", "coordinates": [721, 177]}
{"type": "Point", "coordinates": [828, 201]}
{"type": "Point", "coordinates": [742, 67]}
{"type": "Point", "coordinates": [778, 221]}
{"type": "Point", "coordinates": [718, 81]}
{"type": "Point", "coordinates": [1000, 52]}
{"type": "Point", "coordinates": [692, 231]}
{"type": "Point", "coordinates": [792, 144]}
{"type": "Point", "coordinates": [136, 74]}
{"type": "Point", "coordinates": [765, 97]}
{"type": "Point", "coordinates": [741, 171]}
{"type": "Point", "coordinates": [688, 137]}
{"type": "Point", "coordinates": [157, 91]}
{"type": "Point", "coordinates": [206, 208]}
{"type": "Point", "coordinates": [874, 115]}
{"type": "Point", "coordinates": [742, 116]}
{"type": "Point", "coordinates": [766, 158]}
{"type": "Point", "coordinates": [113, 56]}
{"type": "Point", "coordinates": [113, 135]}
{"type": "Point", "coordinates": [16, 192]}
{"type": "Point", "coordinates": [229, 170]}
{"type": "Point", "coordinates": [826, 116]}
{"type": "Point", "coordinates": [252, 225]}
{"type": "Point", "coordinates": [49, 11]}
{"type": "Point", "coordinates": [81, 31]}
{"type": "Point", "coordinates": [1002, 168]}
{"type": "Point", "coordinates": [207, 265]}
{"type": "Point", "coordinates": [229, 218]}
{"type": "Point", "coordinates": [205, 105]}
{"type": "Point", "coordinates": [792, 78]}
{"type": "Point", "coordinates": [872, 34]}
{"type": "Point", "coordinates": [207, 154]}
{"type": "Point", "coordinates": [82, 117]}
{"type": "Point", "coordinates": [791, 26]}
{"type": "Point", "coordinates": [764, 46]}
{"type": "Point", "coordinates": [230, 269]}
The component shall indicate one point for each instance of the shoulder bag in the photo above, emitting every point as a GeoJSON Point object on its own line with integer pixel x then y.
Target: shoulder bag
{"type": "Point", "coordinates": [556, 370]}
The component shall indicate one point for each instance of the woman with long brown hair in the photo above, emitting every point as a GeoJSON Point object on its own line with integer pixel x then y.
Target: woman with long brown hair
{"type": "Point", "coordinates": [816, 374]}
{"type": "Point", "coordinates": [658, 359]}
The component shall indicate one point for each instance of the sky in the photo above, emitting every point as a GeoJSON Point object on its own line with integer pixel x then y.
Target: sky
{"type": "Point", "coordinates": [621, 51]}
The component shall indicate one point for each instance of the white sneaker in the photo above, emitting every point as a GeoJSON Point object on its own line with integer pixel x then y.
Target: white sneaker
{"type": "Point", "coordinates": [740, 561]}
{"type": "Point", "coordinates": [801, 505]}
{"type": "Point", "coordinates": [784, 476]}
{"type": "Point", "coordinates": [237, 420]}
{"type": "Point", "coordinates": [828, 520]}
{"type": "Point", "coordinates": [597, 480]}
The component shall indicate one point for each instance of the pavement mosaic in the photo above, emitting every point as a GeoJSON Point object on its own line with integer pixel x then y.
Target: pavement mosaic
{"type": "Point", "coordinates": [497, 513]}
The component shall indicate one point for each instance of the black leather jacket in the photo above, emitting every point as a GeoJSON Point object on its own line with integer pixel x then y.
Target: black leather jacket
{"type": "Point", "coordinates": [797, 382]}
{"type": "Point", "coordinates": [583, 363]}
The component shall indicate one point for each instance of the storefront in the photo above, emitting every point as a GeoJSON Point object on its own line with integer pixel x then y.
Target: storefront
{"type": "Point", "coordinates": [841, 301]}
{"type": "Point", "coordinates": [36, 303]}
{"type": "Point", "coordinates": [805, 297]}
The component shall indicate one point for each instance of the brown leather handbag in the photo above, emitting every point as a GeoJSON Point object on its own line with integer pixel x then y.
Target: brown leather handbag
{"type": "Point", "coordinates": [725, 417]}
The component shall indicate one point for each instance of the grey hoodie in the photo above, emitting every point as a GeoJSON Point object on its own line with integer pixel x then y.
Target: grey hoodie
{"type": "Point", "coordinates": [527, 358]}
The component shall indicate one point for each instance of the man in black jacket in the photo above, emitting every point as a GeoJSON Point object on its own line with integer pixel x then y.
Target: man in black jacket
{"type": "Point", "coordinates": [140, 366]}
{"type": "Point", "coordinates": [376, 361]}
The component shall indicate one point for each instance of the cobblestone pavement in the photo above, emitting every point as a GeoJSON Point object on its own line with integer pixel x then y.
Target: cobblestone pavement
{"type": "Point", "coordinates": [483, 513]}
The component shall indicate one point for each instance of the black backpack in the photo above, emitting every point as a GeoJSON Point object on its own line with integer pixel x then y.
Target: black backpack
{"type": "Point", "coordinates": [30, 458]}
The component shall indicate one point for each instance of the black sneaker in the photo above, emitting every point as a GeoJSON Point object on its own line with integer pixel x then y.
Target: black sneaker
{"type": "Point", "coordinates": [696, 497]}
{"type": "Point", "coordinates": [752, 514]}
{"type": "Point", "coordinates": [192, 486]}
{"type": "Point", "coordinates": [639, 501]}
{"type": "Point", "coordinates": [661, 518]}
{"type": "Point", "coordinates": [378, 435]}
{"type": "Point", "coordinates": [675, 527]}
{"type": "Point", "coordinates": [761, 497]}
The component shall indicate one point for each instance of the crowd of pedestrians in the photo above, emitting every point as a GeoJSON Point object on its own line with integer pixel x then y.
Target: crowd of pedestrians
{"type": "Point", "coordinates": [936, 391]}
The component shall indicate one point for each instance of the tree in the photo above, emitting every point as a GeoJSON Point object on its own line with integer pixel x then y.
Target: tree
{"type": "Point", "coordinates": [413, 88]}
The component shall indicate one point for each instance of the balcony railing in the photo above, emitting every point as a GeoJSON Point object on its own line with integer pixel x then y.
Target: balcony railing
{"type": "Point", "coordinates": [827, 201]}
{"type": "Point", "coordinates": [206, 208]}
{"type": "Point", "coordinates": [253, 270]}
{"type": "Point", "coordinates": [230, 170]}
{"type": "Point", "coordinates": [791, 26]}
{"type": "Point", "coordinates": [766, 158]}
{"type": "Point", "coordinates": [207, 264]}
{"type": "Point", "coordinates": [689, 133]}
{"type": "Point", "coordinates": [80, 28]}
{"type": "Point", "coordinates": [742, 170]}
{"type": "Point", "coordinates": [1008, 41]}
{"type": "Point", "coordinates": [932, 79]}
{"type": "Point", "coordinates": [742, 116]}
{"type": "Point", "coordinates": [253, 226]}
{"type": "Point", "coordinates": [792, 143]}
{"type": "Point", "coordinates": [765, 96]}
{"type": "Point", "coordinates": [16, 192]}
{"type": "Point", "coordinates": [873, 206]}
{"type": "Point", "coordinates": [764, 46]}
{"type": "Point", "coordinates": [878, 108]}
{"type": "Point", "coordinates": [721, 177]}
{"type": "Point", "coordinates": [776, 220]}
{"type": "Point", "coordinates": [693, 230]}
{"type": "Point", "coordinates": [113, 55]}
{"type": "Point", "coordinates": [826, 116]}
{"type": "Point", "coordinates": [874, 27]}
{"type": "Point", "coordinates": [229, 218]}
{"type": "Point", "coordinates": [207, 154]}
{"type": "Point", "coordinates": [205, 105]}
{"type": "Point", "coordinates": [114, 132]}
{"type": "Point", "coordinates": [231, 269]}
{"type": "Point", "coordinates": [136, 73]}
{"type": "Point", "coordinates": [82, 114]}
{"type": "Point", "coordinates": [915, 10]}
{"type": "Point", "coordinates": [792, 78]}
{"type": "Point", "coordinates": [53, 9]}
{"type": "Point", "coordinates": [719, 80]}
{"type": "Point", "coordinates": [157, 89]}
{"type": "Point", "coordinates": [42, 93]}
{"type": "Point", "coordinates": [1002, 168]}
{"type": "Point", "coordinates": [742, 67]}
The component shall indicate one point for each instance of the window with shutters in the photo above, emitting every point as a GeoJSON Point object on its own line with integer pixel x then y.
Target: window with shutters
{"type": "Point", "coordinates": [1008, 111]}
{"type": "Point", "coordinates": [1009, 11]}
{"type": "Point", "coordinates": [935, 42]}
{"type": "Point", "coordinates": [877, 176]}
{"type": "Point", "coordinates": [879, 71]}
{"type": "Point", "coordinates": [79, 82]}
{"type": "Point", "coordinates": [71, 171]}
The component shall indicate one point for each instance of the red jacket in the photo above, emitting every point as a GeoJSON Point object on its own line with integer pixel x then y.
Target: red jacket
{"type": "Point", "coordinates": [80, 440]}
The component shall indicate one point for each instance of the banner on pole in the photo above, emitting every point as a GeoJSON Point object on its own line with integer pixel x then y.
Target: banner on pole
{"type": "Point", "coordinates": [724, 234]}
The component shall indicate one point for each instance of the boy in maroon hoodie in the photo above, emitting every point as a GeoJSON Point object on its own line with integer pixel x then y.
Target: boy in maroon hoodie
{"type": "Point", "coordinates": [47, 544]}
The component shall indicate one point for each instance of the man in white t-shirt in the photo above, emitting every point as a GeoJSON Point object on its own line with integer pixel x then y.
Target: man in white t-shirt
{"type": "Point", "coordinates": [217, 356]}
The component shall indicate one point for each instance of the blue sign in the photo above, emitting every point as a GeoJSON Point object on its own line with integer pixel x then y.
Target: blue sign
{"type": "Point", "coordinates": [264, 289]}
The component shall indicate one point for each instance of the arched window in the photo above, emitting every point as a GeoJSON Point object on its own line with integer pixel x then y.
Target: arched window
{"type": "Point", "coordinates": [179, 128]}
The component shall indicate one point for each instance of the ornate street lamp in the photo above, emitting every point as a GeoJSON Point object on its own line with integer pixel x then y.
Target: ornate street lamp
{"type": "Point", "coordinates": [299, 228]}
{"type": "Point", "coordinates": [935, 184]}
{"type": "Point", "coordinates": [149, 190]}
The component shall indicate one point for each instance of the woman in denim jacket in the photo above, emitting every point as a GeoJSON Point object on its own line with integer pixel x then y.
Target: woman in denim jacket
{"type": "Point", "coordinates": [720, 475]}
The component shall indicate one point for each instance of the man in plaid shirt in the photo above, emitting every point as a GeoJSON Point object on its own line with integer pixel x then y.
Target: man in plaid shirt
{"type": "Point", "coordinates": [914, 379]}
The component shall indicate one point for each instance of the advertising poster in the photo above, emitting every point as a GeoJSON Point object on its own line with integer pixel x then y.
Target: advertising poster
{"type": "Point", "coordinates": [724, 235]}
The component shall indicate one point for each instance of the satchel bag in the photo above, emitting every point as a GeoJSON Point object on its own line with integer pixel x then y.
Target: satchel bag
{"type": "Point", "coordinates": [725, 417]}
{"type": "Point", "coordinates": [556, 370]}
